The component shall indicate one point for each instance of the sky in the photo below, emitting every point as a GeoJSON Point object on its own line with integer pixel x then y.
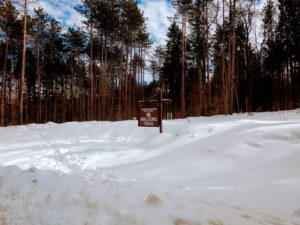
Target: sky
{"type": "Point", "coordinates": [157, 13]}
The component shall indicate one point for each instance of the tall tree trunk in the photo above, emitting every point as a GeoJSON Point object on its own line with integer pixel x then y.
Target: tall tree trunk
{"type": "Point", "coordinates": [11, 101]}
{"type": "Point", "coordinates": [39, 116]}
{"type": "Point", "coordinates": [229, 81]}
{"type": "Point", "coordinates": [112, 100]}
{"type": "Point", "coordinates": [183, 64]}
{"type": "Point", "coordinates": [55, 106]}
{"type": "Point", "coordinates": [91, 108]}
{"type": "Point", "coordinates": [105, 83]}
{"type": "Point", "coordinates": [63, 100]}
{"type": "Point", "coordinates": [248, 79]}
{"type": "Point", "coordinates": [233, 57]}
{"type": "Point", "coordinates": [207, 57]}
{"type": "Point", "coordinates": [3, 93]}
{"type": "Point", "coordinates": [126, 83]}
{"type": "Point", "coordinates": [129, 113]}
{"type": "Point", "coordinates": [101, 80]}
{"type": "Point", "coordinates": [72, 89]}
{"type": "Point", "coordinates": [23, 62]}
{"type": "Point", "coordinates": [120, 83]}
{"type": "Point", "coordinates": [224, 80]}
{"type": "Point", "coordinates": [27, 104]}
{"type": "Point", "coordinates": [143, 74]}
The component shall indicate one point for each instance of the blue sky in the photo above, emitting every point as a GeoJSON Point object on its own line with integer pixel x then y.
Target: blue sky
{"type": "Point", "coordinates": [156, 12]}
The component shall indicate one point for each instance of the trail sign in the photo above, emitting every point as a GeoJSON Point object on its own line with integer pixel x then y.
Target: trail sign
{"type": "Point", "coordinates": [152, 117]}
{"type": "Point", "coordinates": [149, 117]}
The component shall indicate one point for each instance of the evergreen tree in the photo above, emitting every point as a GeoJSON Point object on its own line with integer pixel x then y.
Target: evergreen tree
{"type": "Point", "coordinates": [40, 23]}
{"type": "Point", "coordinates": [287, 41]}
{"type": "Point", "coordinates": [183, 7]}
{"type": "Point", "coordinates": [171, 75]}
{"type": "Point", "coordinates": [25, 4]}
{"type": "Point", "coordinates": [200, 25]}
{"type": "Point", "coordinates": [268, 50]}
{"type": "Point", "coordinates": [10, 26]}
{"type": "Point", "coordinates": [75, 42]}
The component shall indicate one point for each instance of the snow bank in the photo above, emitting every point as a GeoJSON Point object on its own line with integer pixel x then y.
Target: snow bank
{"type": "Point", "coordinates": [222, 170]}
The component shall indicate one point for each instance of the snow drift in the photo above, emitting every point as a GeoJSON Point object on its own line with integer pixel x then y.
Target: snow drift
{"type": "Point", "coordinates": [222, 170]}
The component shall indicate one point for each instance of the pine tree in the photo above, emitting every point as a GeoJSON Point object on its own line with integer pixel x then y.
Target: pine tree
{"type": "Point", "coordinates": [287, 45]}
{"type": "Point", "coordinates": [75, 45]}
{"type": "Point", "coordinates": [172, 71]}
{"type": "Point", "coordinates": [268, 50]}
{"type": "Point", "coordinates": [183, 6]}
{"type": "Point", "coordinates": [88, 9]}
{"type": "Point", "coordinates": [9, 24]}
{"type": "Point", "coordinates": [25, 4]}
{"type": "Point", "coordinates": [200, 25]}
{"type": "Point", "coordinates": [40, 23]}
{"type": "Point", "coordinates": [107, 16]}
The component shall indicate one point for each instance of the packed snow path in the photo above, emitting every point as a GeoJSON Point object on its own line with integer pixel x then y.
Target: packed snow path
{"type": "Point", "coordinates": [222, 170]}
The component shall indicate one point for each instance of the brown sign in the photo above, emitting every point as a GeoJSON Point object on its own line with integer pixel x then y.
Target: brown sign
{"type": "Point", "coordinates": [149, 117]}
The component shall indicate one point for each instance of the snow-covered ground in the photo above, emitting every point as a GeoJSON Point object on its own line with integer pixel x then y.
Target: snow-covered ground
{"type": "Point", "coordinates": [222, 170]}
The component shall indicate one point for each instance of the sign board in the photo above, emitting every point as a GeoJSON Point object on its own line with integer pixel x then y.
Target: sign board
{"type": "Point", "coordinates": [149, 117]}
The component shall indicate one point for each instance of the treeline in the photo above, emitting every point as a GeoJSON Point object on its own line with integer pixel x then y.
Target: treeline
{"type": "Point", "coordinates": [50, 73]}
{"type": "Point", "coordinates": [220, 57]}
{"type": "Point", "coordinates": [214, 61]}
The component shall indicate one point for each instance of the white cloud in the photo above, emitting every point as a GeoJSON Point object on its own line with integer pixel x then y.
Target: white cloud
{"type": "Point", "coordinates": [51, 9]}
{"type": "Point", "coordinates": [157, 13]}
{"type": "Point", "coordinates": [62, 10]}
{"type": "Point", "coordinates": [75, 18]}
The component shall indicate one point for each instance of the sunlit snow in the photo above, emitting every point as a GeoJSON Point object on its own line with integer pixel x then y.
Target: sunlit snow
{"type": "Point", "coordinates": [222, 170]}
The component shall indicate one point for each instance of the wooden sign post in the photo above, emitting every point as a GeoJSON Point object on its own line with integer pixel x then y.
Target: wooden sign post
{"type": "Point", "coordinates": [160, 111]}
{"type": "Point", "coordinates": [152, 116]}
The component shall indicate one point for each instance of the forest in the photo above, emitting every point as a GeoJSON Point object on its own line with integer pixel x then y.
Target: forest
{"type": "Point", "coordinates": [220, 57]}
